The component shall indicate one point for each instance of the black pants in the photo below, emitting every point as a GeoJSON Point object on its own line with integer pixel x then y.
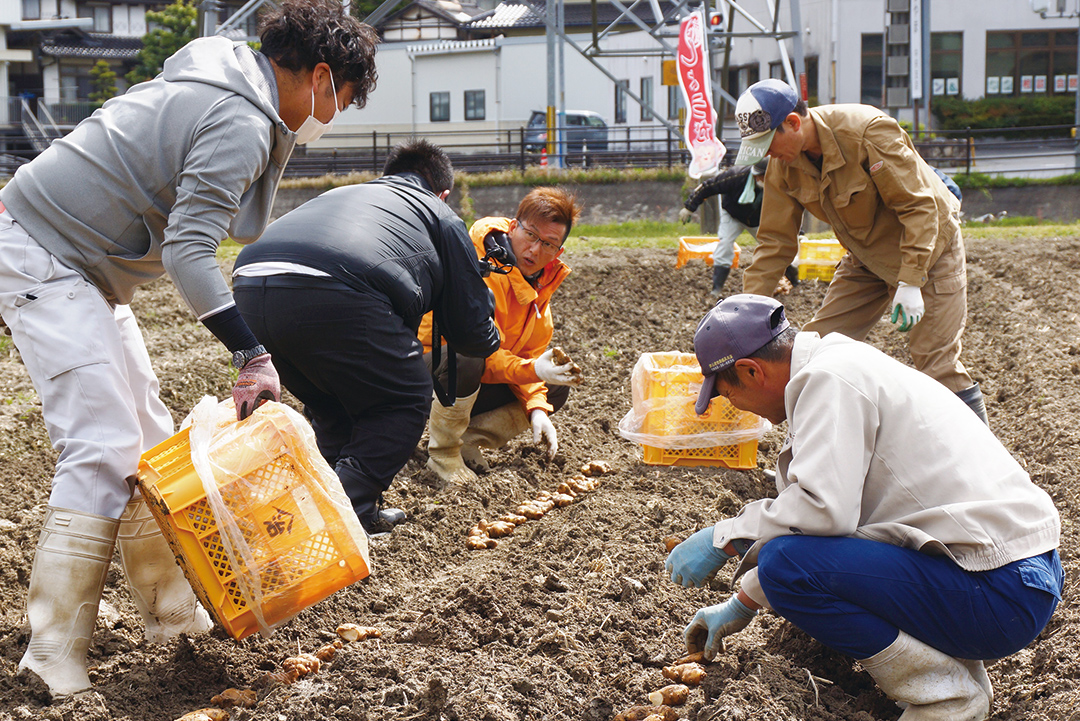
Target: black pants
{"type": "Point", "coordinates": [492, 395]}
{"type": "Point", "coordinates": [354, 364]}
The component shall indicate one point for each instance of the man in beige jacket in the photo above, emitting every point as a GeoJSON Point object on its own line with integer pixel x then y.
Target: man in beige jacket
{"type": "Point", "coordinates": [853, 167]}
{"type": "Point", "coordinates": [902, 533]}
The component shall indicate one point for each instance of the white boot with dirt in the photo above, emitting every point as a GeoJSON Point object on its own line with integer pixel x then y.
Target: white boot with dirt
{"type": "Point", "coordinates": [70, 565]}
{"type": "Point", "coordinates": [162, 594]}
{"type": "Point", "coordinates": [934, 685]}
{"type": "Point", "coordinates": [492, 429]}
{"type": "Point", "coordinates": [445, 429]}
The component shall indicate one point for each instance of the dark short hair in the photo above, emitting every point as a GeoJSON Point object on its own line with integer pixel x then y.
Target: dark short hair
{"type": "Point", "coordinates": [778, 349]}
{"type": "Point", "coordinates": [801, 109]}
{"type": "Point", "coordinates": [300, 34]}
{"type": "Point", "coordinates": [426, 159]}
{"type": "Point", "coordinates": [551, 205]}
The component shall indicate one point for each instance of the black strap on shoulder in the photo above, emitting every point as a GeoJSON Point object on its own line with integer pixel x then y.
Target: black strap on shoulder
{"type": "Point", "coordinates": [445, 396]}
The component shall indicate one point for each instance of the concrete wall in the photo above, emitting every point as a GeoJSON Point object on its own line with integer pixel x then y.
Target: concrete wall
{"type": "Point", "coordinates": [655, 200]}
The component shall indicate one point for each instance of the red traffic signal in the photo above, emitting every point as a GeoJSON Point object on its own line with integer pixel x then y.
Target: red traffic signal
{"type": "Point", "coordinates": [716, 19]}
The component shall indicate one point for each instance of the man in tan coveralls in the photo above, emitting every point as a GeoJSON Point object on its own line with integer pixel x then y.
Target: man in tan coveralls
{"type": "Point", "coordinates": [853, 167]}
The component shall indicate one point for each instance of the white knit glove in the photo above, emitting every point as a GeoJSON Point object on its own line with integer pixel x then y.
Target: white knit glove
{"type": "Point", "coordinates": [543, 430]}
{"type": "Point", "coordinates": [907, 306]}
{"type": "Point", "coordinates": [554, 375]}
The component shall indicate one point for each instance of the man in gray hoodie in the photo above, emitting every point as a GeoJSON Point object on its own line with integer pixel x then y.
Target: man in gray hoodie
{"type": "Point", "coordinates": [150, 184]}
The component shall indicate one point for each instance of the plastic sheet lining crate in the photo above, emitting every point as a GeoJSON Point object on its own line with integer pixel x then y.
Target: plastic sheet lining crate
{"type": "Point", "coordinates": [301, 545]}
{"type": "Point", "coordinates": [818, 258]}
{"type": "Point", "coordinates": [670, 383]}
{"type": "Point", "coordinates": [700, 246]}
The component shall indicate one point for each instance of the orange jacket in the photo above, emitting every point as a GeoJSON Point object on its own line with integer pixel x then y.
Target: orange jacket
{"type": "Point", "coordinates": [523, 316]}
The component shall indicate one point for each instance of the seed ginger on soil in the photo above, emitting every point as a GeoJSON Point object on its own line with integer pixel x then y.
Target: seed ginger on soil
{"type": "Point", "coordinates": [570, 617]}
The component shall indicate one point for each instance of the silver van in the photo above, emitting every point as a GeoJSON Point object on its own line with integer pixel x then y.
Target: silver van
{"type": "Point", "coordinates": [582, 129]}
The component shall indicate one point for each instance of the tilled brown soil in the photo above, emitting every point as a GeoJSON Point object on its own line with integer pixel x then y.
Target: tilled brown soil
{"type": "Point", "coordinates": [571, 617]}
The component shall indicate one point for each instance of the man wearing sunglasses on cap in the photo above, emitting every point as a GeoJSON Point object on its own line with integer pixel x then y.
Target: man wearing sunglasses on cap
{"type": "Point", "coordinates": [520, 385]}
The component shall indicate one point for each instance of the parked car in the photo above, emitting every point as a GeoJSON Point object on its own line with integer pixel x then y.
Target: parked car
{"type": "Point", "coordinates": [582, 129]}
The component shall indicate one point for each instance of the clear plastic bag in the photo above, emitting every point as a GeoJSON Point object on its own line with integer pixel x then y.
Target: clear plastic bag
{"type": "Point", "coordinates": [286, 526]}
{"type": "Point", "coordinates": [664, 388]}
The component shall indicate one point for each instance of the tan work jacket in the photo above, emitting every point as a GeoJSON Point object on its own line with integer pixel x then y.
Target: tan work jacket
{"type": "Point", "coordinates": [886, 205]}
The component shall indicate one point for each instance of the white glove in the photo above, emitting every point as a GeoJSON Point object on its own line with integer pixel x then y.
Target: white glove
{"type": "Point", "coordinates": [907, 306]}
{"type": "Point", "coordinates": [685, 215]}
{"type": "Point", "coordinates": [554, 375]}
{"type": "Point", "coordinates": [543, 429]}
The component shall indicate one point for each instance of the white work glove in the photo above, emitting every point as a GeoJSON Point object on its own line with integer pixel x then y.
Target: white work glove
{"type": "Point", "coordinates": [685, 215]}
{"type": "Point", "coordinates": [554, 375]}
{"type": "Point", "coordinates": [907, 306]}
{"type": "Point", "coordinates": [543, 429]}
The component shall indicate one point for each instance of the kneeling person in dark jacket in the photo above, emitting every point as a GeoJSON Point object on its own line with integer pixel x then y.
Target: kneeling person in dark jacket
{"type": "Point", "coordinates": [336, 289]}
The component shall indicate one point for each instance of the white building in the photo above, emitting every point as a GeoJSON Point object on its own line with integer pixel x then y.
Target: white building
{"type": "Point", "coordinates": [493, 74]}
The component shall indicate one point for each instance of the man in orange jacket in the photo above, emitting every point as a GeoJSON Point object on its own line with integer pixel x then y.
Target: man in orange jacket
{"type": "Point", "coordinates": [519, 385]}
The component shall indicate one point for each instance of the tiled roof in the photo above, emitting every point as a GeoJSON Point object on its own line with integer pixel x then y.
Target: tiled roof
{"type": "Point", "coordinates": [93, 45]}
{"type": "Point", "coordinates": [516, 14]}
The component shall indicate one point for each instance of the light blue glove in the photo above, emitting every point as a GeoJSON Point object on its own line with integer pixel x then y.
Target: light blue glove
{"type": "Point", "coordinates": [694, 561]}
{"type": "Point", "coordinates": [710, 625]}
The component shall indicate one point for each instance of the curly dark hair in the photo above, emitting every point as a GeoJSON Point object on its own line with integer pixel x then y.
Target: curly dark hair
{"type": "Point", "coordinates": [300, 34]}
{"type": "Point", "coordinates": [424, 158]}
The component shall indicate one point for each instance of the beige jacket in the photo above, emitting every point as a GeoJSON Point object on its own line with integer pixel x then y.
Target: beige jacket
{"type": "Point", "coordinates": [878, 450]}
{"type": "Point", "coordinates": [885, 204]}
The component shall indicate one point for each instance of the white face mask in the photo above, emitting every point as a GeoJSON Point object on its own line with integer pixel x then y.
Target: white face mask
{"type": "Point", "coordinates": [312, 128]}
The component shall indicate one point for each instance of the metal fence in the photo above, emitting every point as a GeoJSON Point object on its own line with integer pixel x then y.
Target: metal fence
{"type": "Point", "coordinates": [1033, 152]}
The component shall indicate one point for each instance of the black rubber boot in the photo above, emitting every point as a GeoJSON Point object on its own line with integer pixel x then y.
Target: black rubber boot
{"type": "Point", "coordinates": [792, 274]}
{"type": "Point", "coordinates": [366, 497]}
{"type": "Point", "coordinates": [974, 399]}
{"type": "Point", "coordinates": [719, 277]}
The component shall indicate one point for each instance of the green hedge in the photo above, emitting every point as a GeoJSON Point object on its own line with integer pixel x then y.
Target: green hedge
{"type": "Point", "coordinates": [989, 113]}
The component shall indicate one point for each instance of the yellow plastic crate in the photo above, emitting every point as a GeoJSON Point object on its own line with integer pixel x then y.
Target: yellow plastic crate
{"type": "Point", "coordinates": [700, 246]}
{"type": "Point", "coordinates": [299, 544]}
{"type": "Point", "coordinates": [672, 377]}
{"type": "Point", "coordinates": [818, 258]}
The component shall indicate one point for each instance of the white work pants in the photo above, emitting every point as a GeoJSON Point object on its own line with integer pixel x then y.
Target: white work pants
{"type": "Point", "coordinates": [729, 230]}
{"type": "Point", "coordinates": [88, 362]}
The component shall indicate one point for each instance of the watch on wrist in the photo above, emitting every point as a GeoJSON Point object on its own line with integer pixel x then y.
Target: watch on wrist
{"type": "Point", "coordinates": [241, 357]}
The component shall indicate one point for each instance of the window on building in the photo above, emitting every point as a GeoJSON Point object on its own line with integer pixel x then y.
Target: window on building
{"type": "Point", "coordinates": [1021, 62]}
{"type": "Point", "coordinates": [740, 78]}
{"type": "Point", "coordinates": [810, 67]}
{"type": "Point", "coordinates": [102, 15]}
{"type": "Point", "coordinates": [674, 101]}
{"type": "Point", "coordinates": [872, 89]}
{"type": "Point", "coordinates": [440, 107]}
{"type": "Point", "coordinates": [31, 9]}
{"type": "Point", "coordinates": [946, 61]}
{"type": "Point", "coordinates": [621, 86]}
{"type": "Point", "coordinates": [646, 98]}
{"type": "Point", "coordinates": [475, 108]}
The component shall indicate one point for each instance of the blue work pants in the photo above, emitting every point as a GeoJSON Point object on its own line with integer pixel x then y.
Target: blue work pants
{"type": "Point", "coordinates": [855, 595]}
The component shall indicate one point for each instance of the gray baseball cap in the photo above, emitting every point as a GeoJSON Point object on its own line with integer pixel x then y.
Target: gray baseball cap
{"type": "Point", "coordinates": [735, 327]}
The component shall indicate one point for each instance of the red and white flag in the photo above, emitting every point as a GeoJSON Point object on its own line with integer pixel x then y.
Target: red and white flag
{"type": "Point", "coordinates": [706, 150]}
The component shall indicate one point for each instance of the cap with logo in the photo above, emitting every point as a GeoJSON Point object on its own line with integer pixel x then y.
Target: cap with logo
{"type": "Point", "coordinates": [735, 328]}
{"type": "Point", "coordinates": [759, 112]}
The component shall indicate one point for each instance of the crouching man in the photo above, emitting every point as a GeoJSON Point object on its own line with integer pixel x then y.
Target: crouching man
{"type": "Point", "coordinates": [903, 533]}
{"type": "Point", "coordinates": [522, 383]}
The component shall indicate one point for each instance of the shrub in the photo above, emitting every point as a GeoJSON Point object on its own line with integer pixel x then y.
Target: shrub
{"type": "Point", "coordinates": [1007, 113]}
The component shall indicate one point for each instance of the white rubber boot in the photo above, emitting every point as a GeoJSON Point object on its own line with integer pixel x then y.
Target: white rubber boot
{"type": "Point", "coordinates": [445, 428]}
{"type": "Point", "coordinates": [935, 686]}
{"type": "Point", "coordinates": [72, 560]}
{"type": "Point", "coordinates": [493, 429]}
{"type": "Point", "coordinates": [161, 592]}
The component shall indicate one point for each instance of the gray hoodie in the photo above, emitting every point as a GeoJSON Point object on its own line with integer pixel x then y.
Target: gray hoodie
{"type": "Point", "coordinates": [154, 180]}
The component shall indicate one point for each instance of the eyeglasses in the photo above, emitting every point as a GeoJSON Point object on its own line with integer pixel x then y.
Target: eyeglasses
{"type": "Point", "coordinates": [534, 238]}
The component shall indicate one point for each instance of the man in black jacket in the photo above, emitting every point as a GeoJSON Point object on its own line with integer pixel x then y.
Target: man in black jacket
{"type": "Point", "coordinates": [336, 289]}
{"type": "Point", "coordinates": [741, 190]}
